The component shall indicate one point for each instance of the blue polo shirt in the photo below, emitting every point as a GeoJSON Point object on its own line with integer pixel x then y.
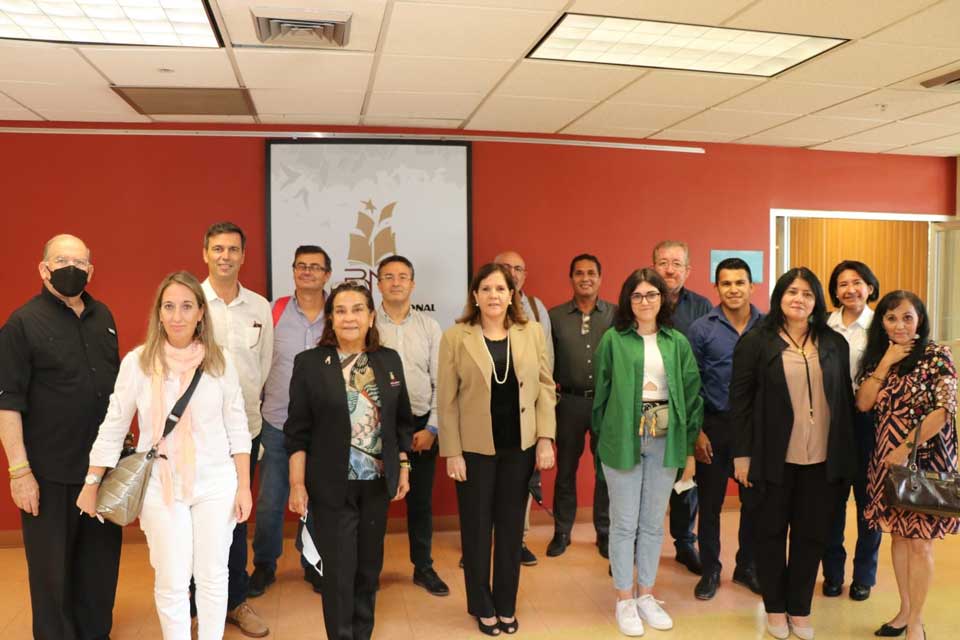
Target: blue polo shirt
{"type": "Point", "coordinates": [713, 339]}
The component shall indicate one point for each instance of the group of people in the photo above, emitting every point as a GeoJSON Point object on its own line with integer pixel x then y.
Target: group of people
{"type": "Point", "coordinates": [351, 403]}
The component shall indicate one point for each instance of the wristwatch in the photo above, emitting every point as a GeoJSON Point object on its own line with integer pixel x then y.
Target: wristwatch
{"type": "Point", "coordinates": [92, 478]}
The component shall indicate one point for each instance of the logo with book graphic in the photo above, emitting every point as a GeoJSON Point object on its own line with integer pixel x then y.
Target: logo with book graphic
{"type": "Point", "coordinates": [372, 241]}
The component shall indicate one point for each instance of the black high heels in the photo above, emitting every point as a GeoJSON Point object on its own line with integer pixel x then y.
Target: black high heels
{"type": "Point", "coordinates": [489, 629]}
{"type": "Point", "coordinates": [889, 631]}
{"type": "Point", "coordinates": [510, 627]}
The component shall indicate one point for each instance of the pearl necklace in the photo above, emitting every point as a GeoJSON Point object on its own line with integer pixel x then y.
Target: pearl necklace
{"type": "Point", "coordinates": [506, 372]}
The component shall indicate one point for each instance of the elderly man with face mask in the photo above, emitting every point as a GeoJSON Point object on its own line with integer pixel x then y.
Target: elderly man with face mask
{"type": "Point", "coordinates": [59, 359]}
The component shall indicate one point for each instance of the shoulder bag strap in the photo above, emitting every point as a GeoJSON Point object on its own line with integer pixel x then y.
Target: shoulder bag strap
{"type": "Point", "coordinates": [181, 404]}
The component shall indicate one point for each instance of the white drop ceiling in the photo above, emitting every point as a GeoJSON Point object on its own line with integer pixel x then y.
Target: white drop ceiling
{"type": "Point", "coordinates": [461, 64]}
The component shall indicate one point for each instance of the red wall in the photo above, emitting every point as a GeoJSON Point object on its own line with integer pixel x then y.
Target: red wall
{"type": "Point", "coordinates": [142, 204]}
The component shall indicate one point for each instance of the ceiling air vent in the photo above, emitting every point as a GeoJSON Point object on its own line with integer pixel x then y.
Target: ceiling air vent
{"type": "Point", "coordinates": [302, 27]}
{"type": "Point", "coordinates": [950, 81]}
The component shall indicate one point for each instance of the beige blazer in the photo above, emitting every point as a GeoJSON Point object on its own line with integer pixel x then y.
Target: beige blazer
{"type": "Point", "coordinates": [463, 389]}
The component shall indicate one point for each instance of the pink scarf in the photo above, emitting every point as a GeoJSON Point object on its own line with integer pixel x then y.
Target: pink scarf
{"type": "Point", "coordinates": [178, 449]}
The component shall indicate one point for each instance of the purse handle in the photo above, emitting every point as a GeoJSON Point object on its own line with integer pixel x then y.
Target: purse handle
{"type": "Point", "coordinates": [180, 406]}
{"type": "Point", "coordinates": [912, 460]}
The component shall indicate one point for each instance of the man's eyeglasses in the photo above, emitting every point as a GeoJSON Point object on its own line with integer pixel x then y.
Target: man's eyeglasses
{"type": "Point", "coordinates": [79, 263]}
{"type": "Point", "coordinates": [516, 268]}
{"type": "Point", "coordinates": [676, 264]}
{"type": "Point", "coordinates": [312, 268]}
{"type": "Point", "coordinates": [649, 296]}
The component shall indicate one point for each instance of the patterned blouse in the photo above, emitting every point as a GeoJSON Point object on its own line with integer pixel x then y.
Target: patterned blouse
{"type": "Point", "coordinates": [363, 401]}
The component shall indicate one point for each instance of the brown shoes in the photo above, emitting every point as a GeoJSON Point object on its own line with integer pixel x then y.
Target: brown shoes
{"type": "Point", "coordinates": [250, 623]}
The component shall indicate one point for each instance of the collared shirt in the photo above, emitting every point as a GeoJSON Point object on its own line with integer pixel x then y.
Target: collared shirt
{"type": "Point", "coordinates": [574, 349]}
{"type": "Point", "coordinates": [57, 370]}
{"type": "Point", "coordinates": [543, 318]}
{"type": "Point", "coordinates": [856, 336]}
{"type": "Point", "coordinates": [417, 339]}
{"type": "Point", "coordinates": [293, 334]}
{"type": "Point", "coordinates": [244, 329]}
{"type": "Point", "coordinates": [713, 339]}
{"type": "Point", "coordinates": [690, 306]}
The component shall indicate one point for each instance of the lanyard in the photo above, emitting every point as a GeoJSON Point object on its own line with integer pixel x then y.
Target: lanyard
{"type": "Point", "coordinates": [806, 366]}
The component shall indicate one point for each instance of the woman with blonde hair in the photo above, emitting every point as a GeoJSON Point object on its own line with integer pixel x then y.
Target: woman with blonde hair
{"type": "Point", "coordinates": [200, 484]}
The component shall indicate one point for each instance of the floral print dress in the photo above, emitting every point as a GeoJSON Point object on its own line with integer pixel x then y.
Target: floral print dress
{"type": "Point", "coordinates": [363, 401]}
{"type": "Point", "coordinates": [902, 404]}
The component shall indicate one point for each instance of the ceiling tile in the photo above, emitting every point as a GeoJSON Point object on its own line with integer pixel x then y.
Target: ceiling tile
{"type": "Point", "coordinates": [694, 136]}
{"type": "Point", "coordinates": [17, 114]}
{"type": "Point", "coordinates": [830, 18]}
{"type": "Point", "coordinates": [938, 26]}
{"type": "Point", "coordinates": [903, 133]}
{"type": "Point", "coordinates": [871, 64]}
{"type": "Point", "coordinates": [742, 123]}
{"type": "Point", "coordinates": [423, 123]}
{"type": "Point", "coordinates": [685, 88]}
{"type": "Point", "coordinates": [61, 99]}
{"type": "Point", "coordinates": [947, 116]}
{"type": "Point", "coordinates": [47, 63]}
{"type": "Point", "coordinates": [607, 132]}
{"type": "Point", "coordinates": [423, 105]}
{"type": "Point", "coordinates": [542, 79]}
{"type": "Point", "coordinates": [891, 104]}
{"type": "Point", "coordinates": [295, 68]}
{"type": "Point", "coordinates": [856, 147]}
{"type": "Point", "coordinates": [774, 140]}
{"type": "Point", "coordinates": [689, 11]}
{"type": "Point", "coordinates": [924, 150]}
{"type": "Point", "coordinates": [799, 98]}
{"type": "Point", "coordinates": [308, 119]}
{"type": "Point", "coordinates": [636, 116]}
{"type": "Point", "coordinates": [315, 100]}
{"type": "Point", "coordinates": [211, 119]}
{"type": "Point", "coordinates": [8, 105]}
{"type": "Point", "coordinates": [821, 128]}
{"type": "Point", "coordinates": [914, 82]}
{"type": "Point", "coordinates": [511, 113]}
{"type": "Point", "coordinates": [364, 25]}
{"type": "Point", "coordinates": [454, 75]}
{"type": "Point", "coordinates": [140, 67]}
{"type": "Point", "coordinates": [464, 32]}
{"type": "Point", "coordinates": [54, 115]}
{"type": "Point", "coordinates": [543, 5]}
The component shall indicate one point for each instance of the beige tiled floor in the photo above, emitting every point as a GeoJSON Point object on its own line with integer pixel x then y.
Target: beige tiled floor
{"type": "Point", "coordinates": [560, 599]}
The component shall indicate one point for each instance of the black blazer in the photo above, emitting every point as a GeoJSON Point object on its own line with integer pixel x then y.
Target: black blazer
{"type": "Point", "coordinates": [319, 420]}
{"type": "Point", "coordinates": [762, 413]}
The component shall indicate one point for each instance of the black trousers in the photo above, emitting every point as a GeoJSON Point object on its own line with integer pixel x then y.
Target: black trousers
{"type": "Point", "coordinates": [712, 482]}
{"type": "Point", "coordinates": [803, 507]}
{"type": "Point", "coordinates": [573, 424]}
{"type": "Point", "coordinates": [494, 496]}
{"type": "Point", "coordinates": [683, 516]}
{"type": "Point", "coordinates": [72, 562]}
{"type": "Point", "coordinates": [423, 465]}
{"type": "Point", "coordinates": [350, 542]}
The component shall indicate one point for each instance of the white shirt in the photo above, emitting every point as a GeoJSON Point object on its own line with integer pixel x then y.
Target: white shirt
{"type": "Point", "coordinates": [544, 322]}
{"type": "Point", "coordinates": [244, 329]}
{"type": "Point", "coordinates": [856, 336]}
{"type": "Point", "coordinates": [417, 340]}
{"type": "Point", "coordinates": [653, 370]}
{"type": "Point", "coordinates": [216, 409]}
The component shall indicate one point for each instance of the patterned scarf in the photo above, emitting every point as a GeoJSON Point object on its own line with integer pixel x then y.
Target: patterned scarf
{"type": "Point", "coordinates": [177, 450]}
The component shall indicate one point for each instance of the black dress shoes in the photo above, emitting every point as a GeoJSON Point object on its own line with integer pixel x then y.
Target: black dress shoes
{"type": "Point", "coordinates": [887, 631]}
{"type": "Point", "coordinates": [429, 580]}
{"type": "Point", "coordinates": [707, 586]}
{"type": "Point", "coordinates": [259, 581]}
{"type": "Point", "coordinates": [603, 546]}
{"type": "Point", "coordinates": [832, 589]}
{"type": "Point", "coordinates": [527, 558]}
{"type": "Point", "coordinates": [688, 557]}
{"type": "Point", "coordinates": [558, 545]}
{"type": "Point", "coordinates": [859, 592]}
{"type": "Point", "coordinates": [747, 577]}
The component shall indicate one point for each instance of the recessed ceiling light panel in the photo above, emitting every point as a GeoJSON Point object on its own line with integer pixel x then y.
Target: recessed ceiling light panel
{"type": "Point", "coordinates": [670, 45]}
{"type": "Point", "coordinates": [173, 23]}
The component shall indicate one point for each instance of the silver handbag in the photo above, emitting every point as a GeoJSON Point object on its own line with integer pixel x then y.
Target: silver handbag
{"type": "Point", "coordinates": [120, 497]}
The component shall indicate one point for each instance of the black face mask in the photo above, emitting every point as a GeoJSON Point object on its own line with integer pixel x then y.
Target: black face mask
{"type": "Point", "coordinates": [68, 281]}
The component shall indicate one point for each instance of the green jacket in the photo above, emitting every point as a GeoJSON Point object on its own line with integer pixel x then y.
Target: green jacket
{"type": "Point", "coordinates": [618, 389]}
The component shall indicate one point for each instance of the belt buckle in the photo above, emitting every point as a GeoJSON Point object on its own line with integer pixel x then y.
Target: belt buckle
{"type": "Point", "coordinates": [588, 394]}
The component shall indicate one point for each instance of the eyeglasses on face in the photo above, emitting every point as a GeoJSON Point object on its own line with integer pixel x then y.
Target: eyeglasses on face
{"type": "Point", "coordinates": [312, 268]}
{"type": "Point", "coordinates": [62, 261]}
{"type": "Point", "coordinates": [649, 296]}
{"type": "Point", "coordinates": [676, 264]}
{"type": "Point", "coordinates": [516, 268]}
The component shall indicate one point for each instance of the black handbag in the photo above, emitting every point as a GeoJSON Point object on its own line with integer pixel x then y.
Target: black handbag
{"type": "Point", "coordinates": [912, 489]}
{"type": "Point", "coordinates": [120, 496]}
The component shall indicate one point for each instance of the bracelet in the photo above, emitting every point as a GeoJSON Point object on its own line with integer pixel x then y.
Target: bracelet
{"type": "Point", "coordinates": [405, 464]}
{"type": "Point", "coordinates": [877, 378]}
{"type": "Point", "coordinates": [20, 465]}
{"type": "Point", "coordinates": [21, 475]}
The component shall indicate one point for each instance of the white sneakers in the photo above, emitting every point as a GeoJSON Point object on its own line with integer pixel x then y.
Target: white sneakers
{"type": "Point", "coordinates": [631, 614]}
{"type": "Point", "coordinates": [628, 619]}
{"type": "Point", "coordinates": [653, 614]}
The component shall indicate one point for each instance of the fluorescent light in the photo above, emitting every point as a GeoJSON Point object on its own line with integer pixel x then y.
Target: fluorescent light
{"type": "Point", "coordinates": [173, 23]}
{"type": "Point", "coordinates": [671, 45]}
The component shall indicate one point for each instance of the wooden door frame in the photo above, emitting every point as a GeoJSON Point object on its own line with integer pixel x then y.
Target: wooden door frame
{"type": "Point", "coordinates": [934, 274]}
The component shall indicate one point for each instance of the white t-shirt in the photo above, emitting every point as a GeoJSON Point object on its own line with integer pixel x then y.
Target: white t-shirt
{"type": "Point", "coordinates": [855, 335]}
{"type": "Point", "coordinates": [654, 375]}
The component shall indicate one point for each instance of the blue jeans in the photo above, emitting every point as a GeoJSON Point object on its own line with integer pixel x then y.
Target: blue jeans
{"type": "Point", "coordinates": [271, 499]}
{"type": "Point", "coordinates": [638, 504]}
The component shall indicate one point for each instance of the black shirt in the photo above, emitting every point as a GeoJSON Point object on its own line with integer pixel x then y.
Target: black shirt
{"type": "Point", "coordinates": [504, 399]}
{"type": "Point", "coordinates": [58, 371]}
